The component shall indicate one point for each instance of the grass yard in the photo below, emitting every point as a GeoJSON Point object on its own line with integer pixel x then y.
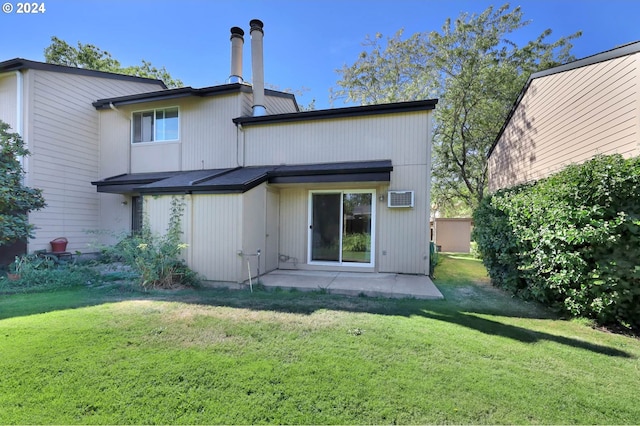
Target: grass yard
{"type": "Point", "coordinates": [113, 355]}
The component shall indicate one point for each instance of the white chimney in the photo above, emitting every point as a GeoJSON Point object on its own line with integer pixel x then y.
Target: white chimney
{"type": "Point", "coordinates": [257, 67]}
{"type": "Point", "coordinates": [237, 41]}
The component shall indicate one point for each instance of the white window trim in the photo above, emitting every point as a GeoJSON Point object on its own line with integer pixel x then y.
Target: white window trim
{"type": "Point", "coordinates": [155, 127]}
{"type": "Point", "coordinates": [373, 227]}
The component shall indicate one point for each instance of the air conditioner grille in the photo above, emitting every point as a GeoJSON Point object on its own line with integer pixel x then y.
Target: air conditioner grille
{"type": "Point", "coordinates": [400, 199]}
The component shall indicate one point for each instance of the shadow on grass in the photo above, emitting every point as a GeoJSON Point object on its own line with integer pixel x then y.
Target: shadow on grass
{"type": "Point", "coordinates": [304, 303]}
{"type": "Point", "coordinates": [518, 333]}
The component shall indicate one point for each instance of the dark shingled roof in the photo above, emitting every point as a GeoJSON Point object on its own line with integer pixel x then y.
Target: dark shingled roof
{"type": "Point", "coordinates": [20, 64]}
{"type": "Point", "coordinates": [332, 113]}
{"type": "Point", "coordinates": [183, 92]}
{"type": "Point", "coordinates": [242, 179]}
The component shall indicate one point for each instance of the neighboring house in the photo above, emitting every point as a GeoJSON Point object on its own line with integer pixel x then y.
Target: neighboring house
{"type": "Point", "coordinates": [342, 189]}
{"type": "Point", "coordinates": [50, 107]}
{"type": "Point", "coordinates": [452, 234]}
{"type": "Point", "coordinates": [569, 114]}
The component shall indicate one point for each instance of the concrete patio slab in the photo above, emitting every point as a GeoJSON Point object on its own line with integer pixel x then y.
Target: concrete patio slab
{"type": "Point", "coordinates": [354, 283]}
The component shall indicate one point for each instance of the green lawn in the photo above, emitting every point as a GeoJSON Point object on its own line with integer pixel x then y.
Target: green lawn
{"type": "Point", "coordinates": [113, 355]}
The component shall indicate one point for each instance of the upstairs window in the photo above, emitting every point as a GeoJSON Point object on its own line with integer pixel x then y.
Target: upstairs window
{"type": "Point", "coordinates": [155, 125]}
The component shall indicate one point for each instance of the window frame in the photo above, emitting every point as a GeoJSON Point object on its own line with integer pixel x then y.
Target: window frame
{"type": "Point", "coordinates": [342, 192]}
{"type": "Point", "coordinates": [154, 111]}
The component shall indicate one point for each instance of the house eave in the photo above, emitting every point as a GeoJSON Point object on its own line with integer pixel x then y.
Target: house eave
{"type": "Point", "coordinates": [240, 180]}
{"type": "Point", "coordinates": [392, 108]}
{"type": "Point", "coordinates": [182, 92]}
{"type": "Point", "coordinates": [18, 64]}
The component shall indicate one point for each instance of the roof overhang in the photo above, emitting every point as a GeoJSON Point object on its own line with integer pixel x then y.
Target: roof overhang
{"type": "Point", "coordinates": [182, 92]}
{"type": "Point", "coordinates": [332, 113]}
{"type": "Point", "coordinates": [18, 64]}
{"type": "Point", "coordinates": [242, 179]}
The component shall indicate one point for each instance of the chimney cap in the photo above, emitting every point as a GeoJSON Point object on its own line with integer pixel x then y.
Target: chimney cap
{"type": "Point", "coordinates": [256, 24]}
{"type": "Point", "coordinates": [237, 31]}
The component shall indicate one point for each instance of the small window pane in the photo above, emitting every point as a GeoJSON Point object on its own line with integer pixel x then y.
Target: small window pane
{"type": "Point", "coordinates": [143, 126]}
{"type": "Point", "coordinates": [165, 122]}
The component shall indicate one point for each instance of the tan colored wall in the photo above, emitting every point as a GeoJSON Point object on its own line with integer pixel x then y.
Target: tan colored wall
{"type": "Point", "coordinates": [213, 239]}
{"type": "Point", "coordinates": [8, 94]}
{"type": "Point", "coordinates": [273, 105]}
{"type": "Point", "coordinates": [253, 229]}
{"type": "Point", "coordinates": [208, 137]}
{"type": "Point", "coordinates": [62, 133]}
{"type": "Point", "coordinates": [568, 118]}
{"type": "Point", "coordinates": [453, 235]}
{"type": "Point", "coordinates": [403, 234]}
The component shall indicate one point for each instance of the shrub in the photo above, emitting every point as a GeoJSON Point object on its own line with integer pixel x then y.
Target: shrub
{"type": "Point", "coordinates": [356, 242]}
{"type": "Point", "coordinates": [156, 257]}
{"type": "Point", "coordinates": [571, 241]}
{"type": "Point", "coordinates": [45, 273]}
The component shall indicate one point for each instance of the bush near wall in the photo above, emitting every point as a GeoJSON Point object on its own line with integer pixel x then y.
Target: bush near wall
{"type": "Point", "coordinates": [571, 241]}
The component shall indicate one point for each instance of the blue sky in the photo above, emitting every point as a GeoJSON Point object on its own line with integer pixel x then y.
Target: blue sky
{"type": "Point", "coordinates": [305, 40]}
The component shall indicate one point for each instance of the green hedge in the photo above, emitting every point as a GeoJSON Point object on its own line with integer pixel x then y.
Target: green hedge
{"type": "Point", "coordinates": [571, 241]}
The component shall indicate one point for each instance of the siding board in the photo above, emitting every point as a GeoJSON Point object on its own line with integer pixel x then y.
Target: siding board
{"type": "Point", "coordinates": [63, 136]}
{"type": "Point", "coordinates": [568, 118]}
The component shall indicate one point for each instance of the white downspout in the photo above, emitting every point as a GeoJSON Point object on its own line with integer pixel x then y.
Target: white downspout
{"type": "Point", "coordinates": [240, 146]}
{"type": "Point", "coordinates": [126, 117]}
{"type": "Point", "coordinates": [19, 117]}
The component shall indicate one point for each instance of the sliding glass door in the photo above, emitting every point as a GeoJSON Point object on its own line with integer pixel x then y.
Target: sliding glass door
{"type": "Point", "coordinates": [341, 227]}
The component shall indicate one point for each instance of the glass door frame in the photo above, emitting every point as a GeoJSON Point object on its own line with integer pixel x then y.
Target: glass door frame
{"type": "Point", "coordinates": [374, 199]}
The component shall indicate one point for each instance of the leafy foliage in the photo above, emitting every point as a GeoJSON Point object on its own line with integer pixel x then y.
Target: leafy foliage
{"type": "Point", "coordinates": [356, 242]}
{"type": "Point", "coordinates": [38, 273]}
{"type": "Point", "coordinates": [474, 70]}
{"type": "Point", "coordinates": [571, 240]}
{"type": "Point", "coordinates": [16, 199]}
{"type": "Point", "coordinates": [156, 257]}
{"type": "Point", "coordinates": [92, 57]}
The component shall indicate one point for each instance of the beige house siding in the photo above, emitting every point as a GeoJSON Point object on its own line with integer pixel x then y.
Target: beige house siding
{"type": "Point", "coordinates": [273, 104]}
{"type": "Point", "coordinates": [62, 133]}
{"type": "Point", "coordinates": [253, 230]}
{"type": "Point", "coordinates": [223, 231]}
{"type": "Point", "coordinates": [208, 137]}
{"type": "Point", "coordinates": [294, 207]}
{"type": "Point", "coordinates": [400, 225]}
{"type": "Point", "coordinates": [8, 95]}
{"type": "Point", "coordinates": [402, 138]}
{"type": "Point", "coordinates": [569, 117]}
{"type": "Point", "coordinates": [214, 239]}
{"type": "Point", "coordinates": [453, 234]}
{"type": "Point", "coordinates": [346, 139]}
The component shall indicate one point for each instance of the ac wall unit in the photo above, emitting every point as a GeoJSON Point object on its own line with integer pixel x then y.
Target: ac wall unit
{"type": "Point", "coordinates": [400, 199]}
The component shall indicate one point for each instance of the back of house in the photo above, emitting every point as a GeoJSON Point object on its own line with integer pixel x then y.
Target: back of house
{"type": "Point", "coordinates": [344, 189]}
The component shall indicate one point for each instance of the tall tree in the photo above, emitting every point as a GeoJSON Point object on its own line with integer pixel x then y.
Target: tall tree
{"type": "Point", "coordinates": [475, 71]}
{"type": "Point", "coordinates": [16, 200]}
{"type": "Point", "coordinates": [92, 57]}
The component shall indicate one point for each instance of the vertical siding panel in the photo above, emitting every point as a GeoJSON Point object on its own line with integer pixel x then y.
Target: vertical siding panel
{"type": "Point", "coordinates": [217, 236]}
{"type": "Point", "coordinates": [8, 100]}
{"type": "Point", "coordinates": [208, 134]}
{"type": "Point", "coordinates": [253, 229]}
{"type": "Point", "coordinates": [293, 227]}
